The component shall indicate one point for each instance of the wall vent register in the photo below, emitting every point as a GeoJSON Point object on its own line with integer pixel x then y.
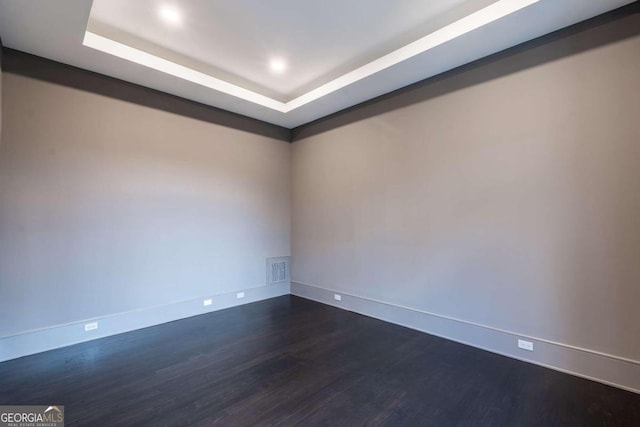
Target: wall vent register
{"type": "Point", "coordinates": [277, 270]}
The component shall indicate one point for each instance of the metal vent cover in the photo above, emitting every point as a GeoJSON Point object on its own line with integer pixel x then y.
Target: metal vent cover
{"type": "Point", "coordinates": [278, 270]}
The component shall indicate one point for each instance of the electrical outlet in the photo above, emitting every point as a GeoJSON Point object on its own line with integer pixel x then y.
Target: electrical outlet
{"type": "Point", "coordinates": [207, 302]}
{"type": "Point", "coordinates": [240, 295]}
{"type": "Point", "coordinates": [337, 297]}
{"type": "Point", "coordinates": [90, 326]}
{"type": "Point", "coordinates": [525, 345]}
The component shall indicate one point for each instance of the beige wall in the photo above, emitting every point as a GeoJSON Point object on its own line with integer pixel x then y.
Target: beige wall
{"type": "Point", "coordinates": [513, 203]}
{"type": "Point", "coordinates": [108, 206]}
{"type": "Point", "coordinates": [507, 197]}
{"type": "Point", "coordinates": [1, 92]}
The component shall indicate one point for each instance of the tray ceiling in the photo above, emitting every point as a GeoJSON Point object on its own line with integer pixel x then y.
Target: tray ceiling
{"type": "Point", "coordinates": [287, 62]}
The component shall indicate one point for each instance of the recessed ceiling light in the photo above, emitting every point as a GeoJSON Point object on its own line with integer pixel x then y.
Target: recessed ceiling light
{"type": "Point", "coordinates": [170, 15]}
{"type": "Point", "coordinates": [278, 65]}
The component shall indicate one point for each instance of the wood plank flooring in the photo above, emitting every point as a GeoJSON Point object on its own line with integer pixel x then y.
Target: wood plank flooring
{"type": "Point", "coordinates": [288, 361]}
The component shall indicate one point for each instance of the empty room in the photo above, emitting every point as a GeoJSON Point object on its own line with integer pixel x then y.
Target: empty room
{"type": "Point", "coordinates": [319, 213]}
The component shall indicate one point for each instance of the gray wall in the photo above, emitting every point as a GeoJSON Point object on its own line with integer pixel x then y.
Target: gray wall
{"type": "Point", "coordinates": [496, 201]}
{"type": "Point", "coordinates": [1, 58]}
{"type": "Point", "coordinates": [510, 202]}
{"type": "Point", "coordinates": [0, 100]}
{"type": "Point", "coordinates": [107, 206]}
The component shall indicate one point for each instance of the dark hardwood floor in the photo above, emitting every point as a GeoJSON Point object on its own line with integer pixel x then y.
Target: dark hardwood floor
{"type": "Point", "coordinates": [289, 361]}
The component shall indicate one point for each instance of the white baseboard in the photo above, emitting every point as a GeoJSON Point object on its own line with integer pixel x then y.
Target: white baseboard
{"type": "Point", "coordinates": [24, 344]}
{"type": "Point", "coordinates": [609, 369]}
{"type": "Point", "coordinates": [605, 368]}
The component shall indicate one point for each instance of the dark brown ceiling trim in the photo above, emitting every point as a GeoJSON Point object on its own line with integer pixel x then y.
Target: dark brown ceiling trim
{"type": "Point", "coordinates": [610, 27]}
{"type": "Point", "coordinates": [36, 67]}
